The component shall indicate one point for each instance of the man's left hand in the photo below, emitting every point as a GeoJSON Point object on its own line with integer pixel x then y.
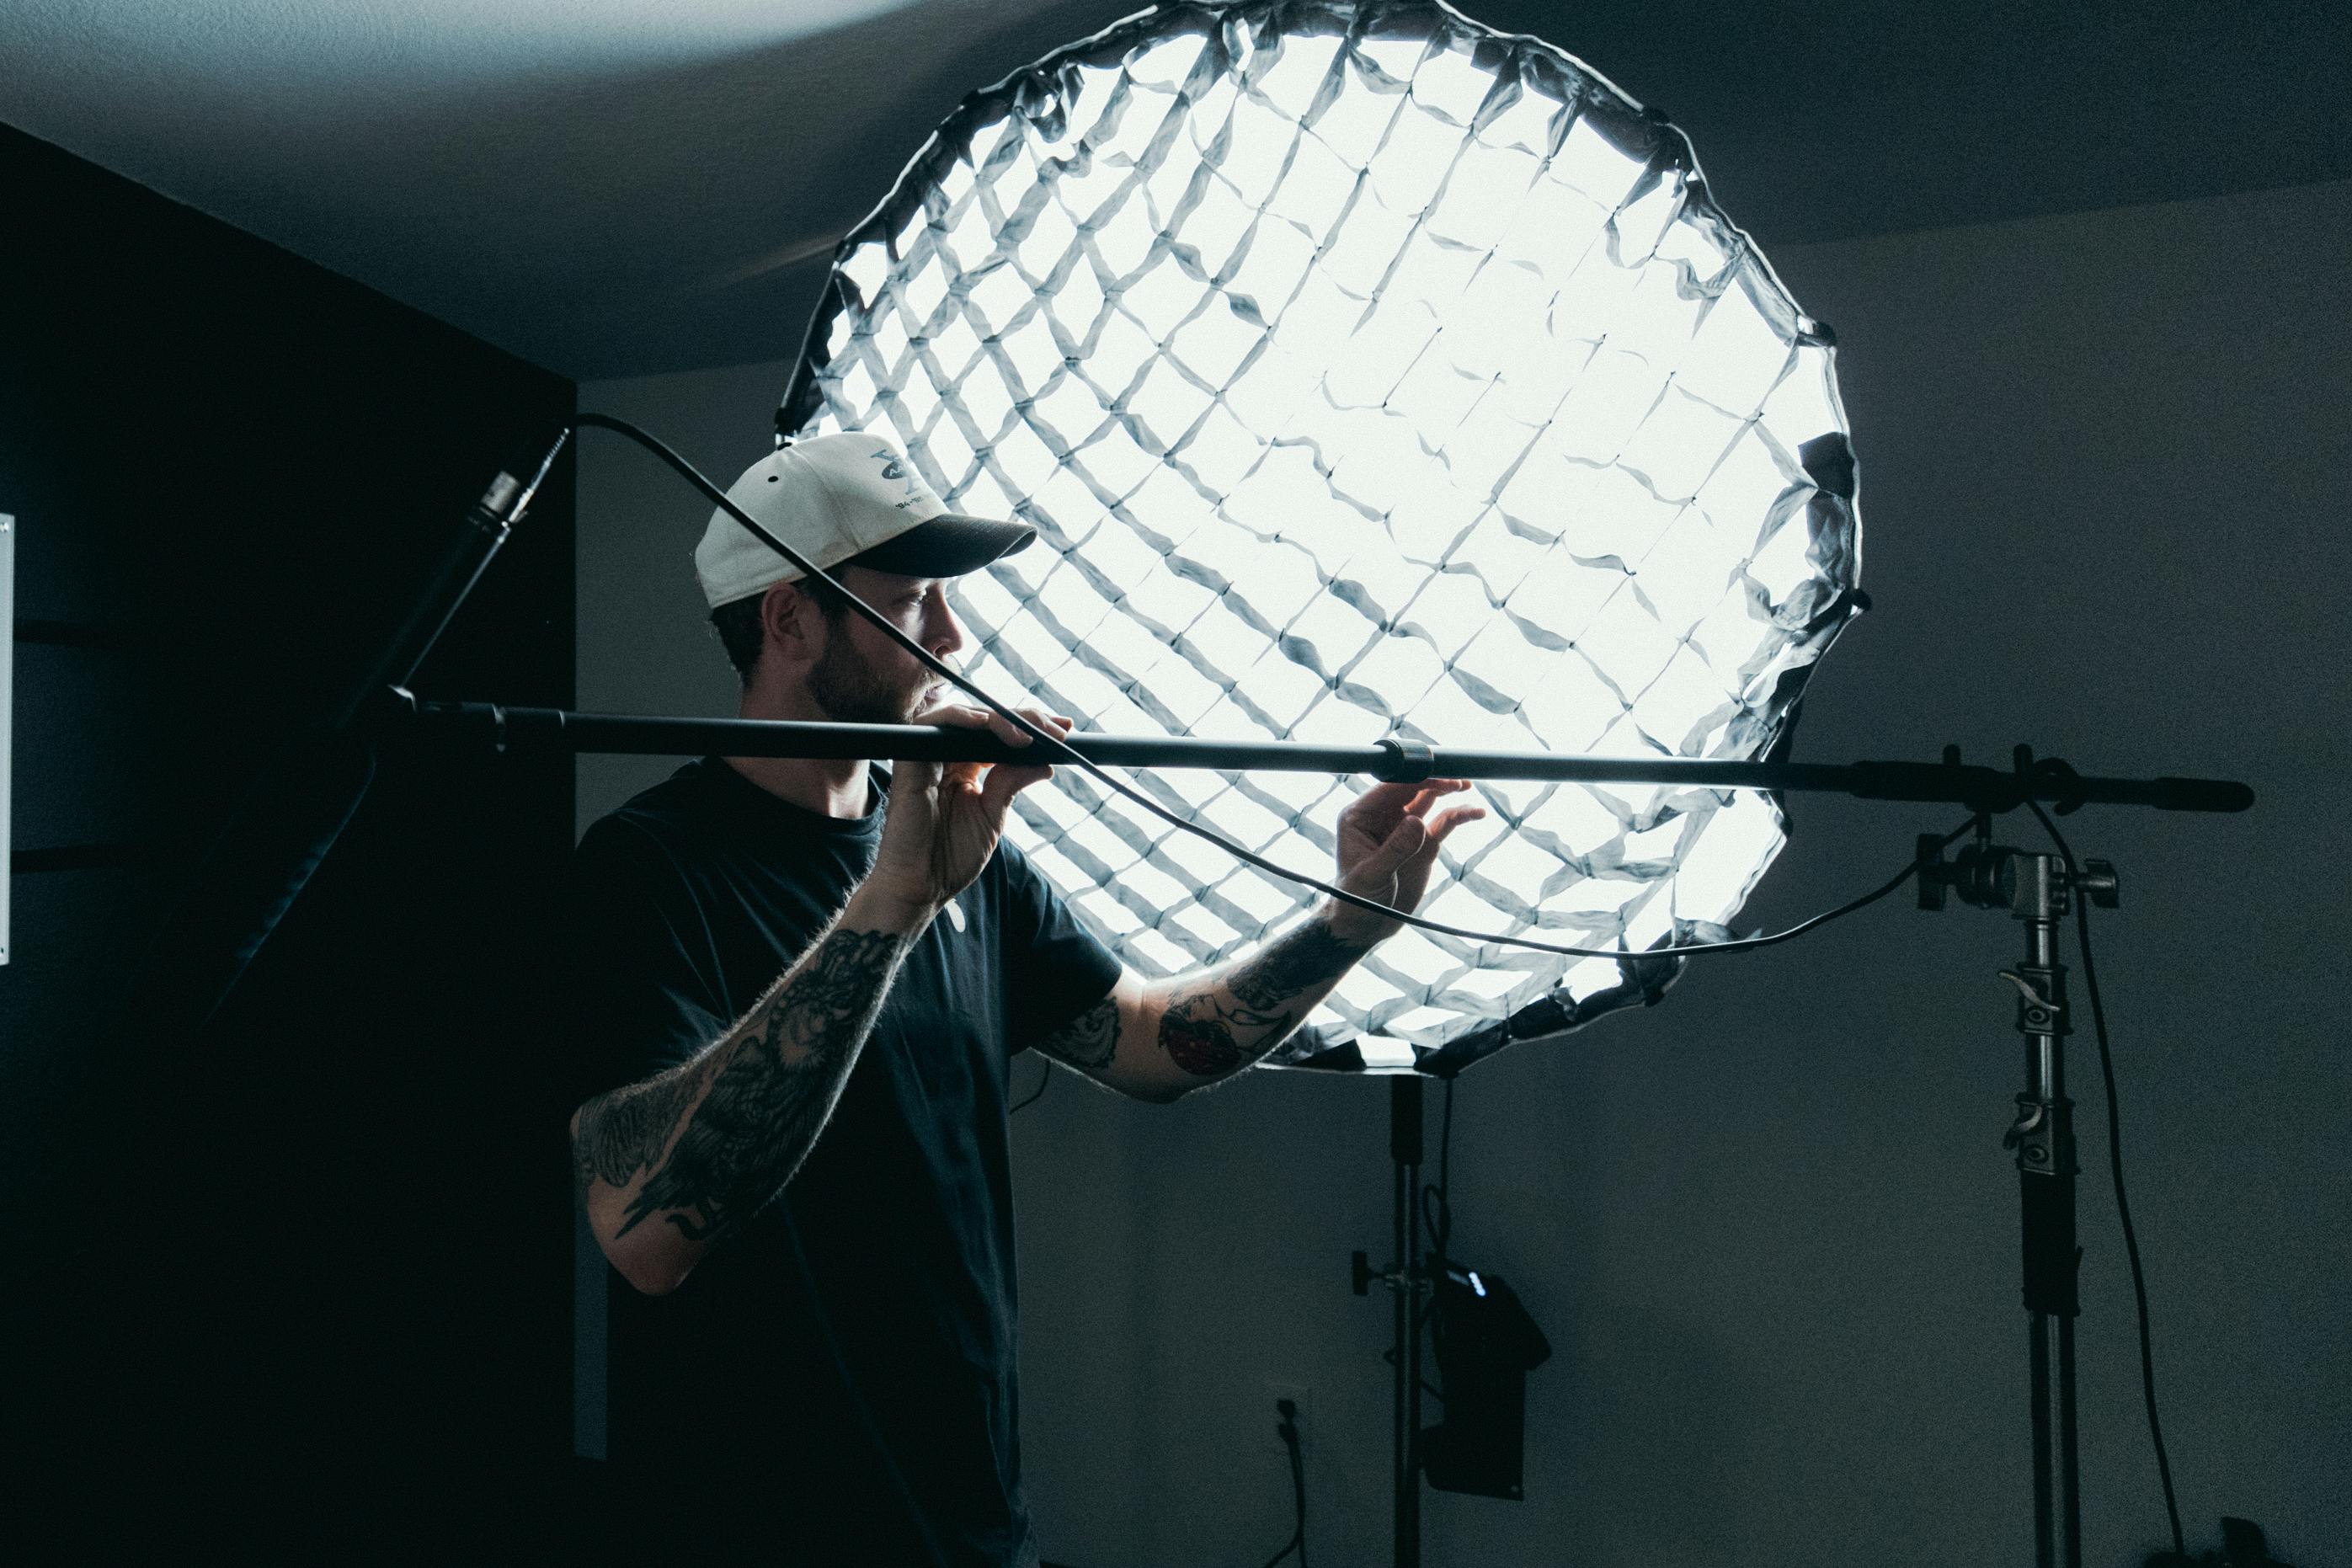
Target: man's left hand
{"type": "Point", "coordinates": [1387, 846]}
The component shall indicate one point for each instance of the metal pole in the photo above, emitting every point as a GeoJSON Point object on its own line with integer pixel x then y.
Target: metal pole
{"type": "Point", "coordinates": [1988, 789]}
{"type": "Point", "coordinates": [1404, 1149]}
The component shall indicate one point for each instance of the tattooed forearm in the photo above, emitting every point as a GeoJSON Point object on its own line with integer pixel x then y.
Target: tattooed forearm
{"type": "Point", "coordinates": [1222, 1022]}
{"type": "Point", "coordinates": [1197, 1032]}
{"type": "Point", "coordinates": [757, 1100]}
{"type": "Point", "coordinates": [623, 1132]}
{"type": "Point", "coordinates": [1089, 1040]}
{"type": "Point", "coordinates": [1305, 957]}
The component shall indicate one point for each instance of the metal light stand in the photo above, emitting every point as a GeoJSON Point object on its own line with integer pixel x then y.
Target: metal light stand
{"type": "Point", "coordinates": [2037, 889]}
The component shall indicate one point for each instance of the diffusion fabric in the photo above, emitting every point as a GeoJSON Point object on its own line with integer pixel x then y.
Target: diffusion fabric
{"type": "Point", "coordinates": [1365, 373]}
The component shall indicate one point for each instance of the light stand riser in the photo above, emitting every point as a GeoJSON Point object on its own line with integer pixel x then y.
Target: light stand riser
{"type": "Point", "coordinates": [2045, 1136]}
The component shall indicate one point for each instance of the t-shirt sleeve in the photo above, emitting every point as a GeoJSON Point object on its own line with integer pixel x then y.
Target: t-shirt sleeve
{"type": "Point", "coordinates": [640, 994]}
{"type": "Point", "coordinates": [1055, 969]}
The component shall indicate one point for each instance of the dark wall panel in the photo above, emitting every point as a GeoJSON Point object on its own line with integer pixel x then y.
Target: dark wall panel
{"type": "Point", "coordinates": [301, 1282]}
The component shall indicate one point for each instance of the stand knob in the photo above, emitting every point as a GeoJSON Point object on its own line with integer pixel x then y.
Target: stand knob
{"type": "Point", "coordinates": [2098, 878]}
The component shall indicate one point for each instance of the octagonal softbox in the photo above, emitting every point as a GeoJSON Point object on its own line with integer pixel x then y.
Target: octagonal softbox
{"type": "Point", "coordinates": [1365, 373]}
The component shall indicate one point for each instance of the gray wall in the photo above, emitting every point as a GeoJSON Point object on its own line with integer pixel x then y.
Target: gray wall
{"type": "Point", "coordinates": [645, 643]}
{"type": "Point", "coordinates": [1769, 1226]}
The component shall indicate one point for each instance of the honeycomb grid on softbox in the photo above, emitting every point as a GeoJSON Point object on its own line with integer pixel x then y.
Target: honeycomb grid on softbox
{"type": "Point", "coordinates": [1365, 372]}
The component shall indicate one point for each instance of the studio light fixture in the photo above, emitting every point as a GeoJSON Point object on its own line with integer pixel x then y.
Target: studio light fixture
{"type": "Point", "coordinates": [1366, 373]}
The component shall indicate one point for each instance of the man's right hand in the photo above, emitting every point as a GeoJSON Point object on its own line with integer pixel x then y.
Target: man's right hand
{"type": "Point", "coordinates": [666, 1167]}
{"type": "Point", "coordinates": [945, 818]}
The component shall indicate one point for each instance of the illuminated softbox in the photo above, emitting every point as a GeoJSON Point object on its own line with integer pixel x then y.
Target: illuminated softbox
{"type": "Point", "coordinates": [1365, 372]}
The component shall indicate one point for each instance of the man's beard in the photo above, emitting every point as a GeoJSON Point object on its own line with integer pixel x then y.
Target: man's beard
{"type": "Point", "coordinates": [849, 690]}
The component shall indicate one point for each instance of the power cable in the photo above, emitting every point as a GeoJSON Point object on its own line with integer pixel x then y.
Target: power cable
{"type": "Point", "coordinates": [1045, 1081]}
{"type": "Point", "coordinates": [1289, 1430]}
{"type": "Point", "coordinates": [1057, 751]}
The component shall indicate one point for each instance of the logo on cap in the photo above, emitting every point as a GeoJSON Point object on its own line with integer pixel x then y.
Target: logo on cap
{"type": "Point", "coordinates": [894, 469]}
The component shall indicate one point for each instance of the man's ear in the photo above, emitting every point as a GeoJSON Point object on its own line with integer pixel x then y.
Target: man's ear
{"type": "Point", "coordinates": [789, 619]}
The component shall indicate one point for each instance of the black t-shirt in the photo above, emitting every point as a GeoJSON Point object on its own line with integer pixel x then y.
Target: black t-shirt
{"type": "Point", "coordinates": [730, 1422]}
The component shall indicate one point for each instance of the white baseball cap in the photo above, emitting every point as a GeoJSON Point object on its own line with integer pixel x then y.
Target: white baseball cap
{"type": "Point", "coordinates": [843, 500]}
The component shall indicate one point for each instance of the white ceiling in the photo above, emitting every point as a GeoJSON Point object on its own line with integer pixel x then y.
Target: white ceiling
{"type": "Point", "coordinates": [602, 186]}
{"type": "Point", "coordinates": [611, 187]}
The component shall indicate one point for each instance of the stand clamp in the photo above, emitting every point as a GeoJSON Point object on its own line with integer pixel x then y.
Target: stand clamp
{"type": "Point", "coordinates": [1405, 762]}
{"type": "Point", "coordinates": [2040, 998]}
{"type": "Point", "coordinates": [1359, 1267]}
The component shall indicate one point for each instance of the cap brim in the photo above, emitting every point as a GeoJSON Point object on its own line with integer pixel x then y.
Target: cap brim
{"type": "Point", "coordinates": [949, 545]}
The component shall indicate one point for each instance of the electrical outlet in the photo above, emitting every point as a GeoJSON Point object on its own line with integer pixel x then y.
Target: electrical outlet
{"type": "Point", "coordinates": [1277, 1391]}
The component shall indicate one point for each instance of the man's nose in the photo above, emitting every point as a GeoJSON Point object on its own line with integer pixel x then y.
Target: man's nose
{"type": "Point", "coordinates": [947, 635]}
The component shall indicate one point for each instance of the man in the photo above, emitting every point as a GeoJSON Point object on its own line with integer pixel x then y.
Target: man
{"type": "Point", "coordinates": [801, 984]}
